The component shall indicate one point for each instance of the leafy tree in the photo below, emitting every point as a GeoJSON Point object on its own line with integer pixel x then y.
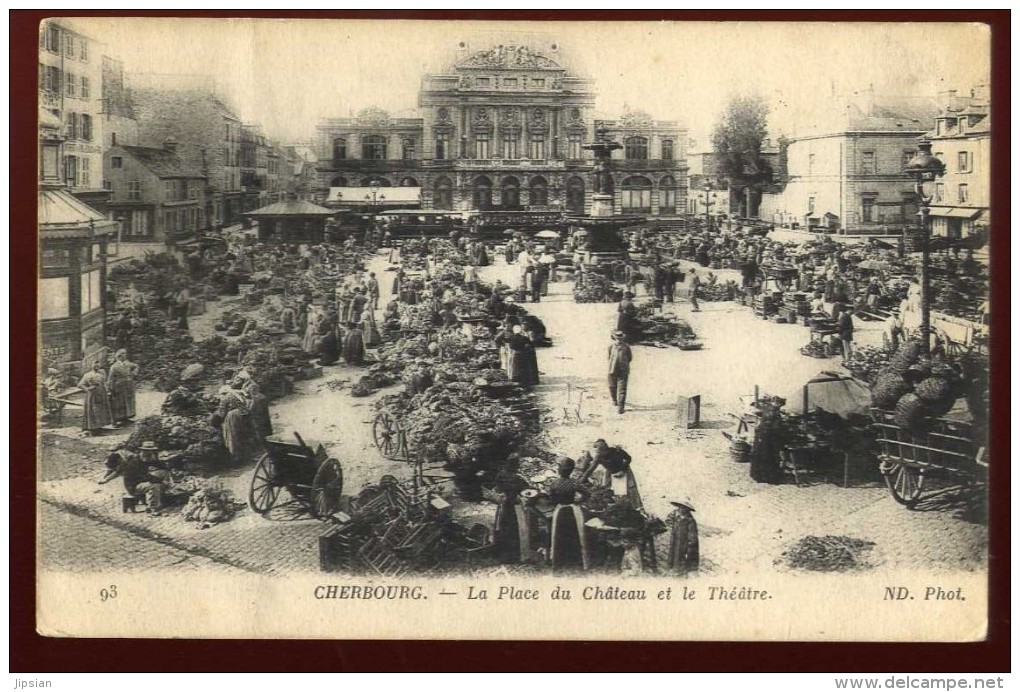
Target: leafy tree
{"type": "Point", "coordinates": [737, 141]}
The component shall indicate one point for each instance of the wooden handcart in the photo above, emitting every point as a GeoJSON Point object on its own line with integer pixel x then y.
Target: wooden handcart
{"type": "Point", "coordinates": [908, 457]}
{"type": "Point", "coordinates": [312, 478]}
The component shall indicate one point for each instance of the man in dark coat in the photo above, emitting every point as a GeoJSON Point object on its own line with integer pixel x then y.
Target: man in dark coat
{"type": "Point", "coordinates": [538, 275]}
{"type": "Point", "coordinates": [845, 325]}
{"type": "Point", "coordinates": [619, 370]}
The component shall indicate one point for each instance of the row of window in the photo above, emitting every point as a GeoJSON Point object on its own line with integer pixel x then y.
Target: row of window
{"type": "Point", "coordinates": [132, 190]}
{"type": "Point", "coordinates": [962, 193]}
{"type": "Point", "coordinates": [79, 126]}
{"type": "Point", "coordinates": [53, 39]}
{"type": "Point", "coordinates": [56, 81]}
{"type": "Point", "coordinates": [374, 147]}
{"type": "Point", "coordinates": [636, 194]}
{"type": "Point", "coordinates": [178, 189]}
{"type": "Point", "coordinates": [964, 161]}
{"type": "Point", "coordinates": [78, 171]}
{"type": "Point", "coordinates": [182, 219]}
{"type": "Point", "coordinates": [509, 82]}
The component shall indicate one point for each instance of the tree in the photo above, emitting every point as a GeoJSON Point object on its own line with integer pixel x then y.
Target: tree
{"type": "Point", "coordinates": [737, 141]}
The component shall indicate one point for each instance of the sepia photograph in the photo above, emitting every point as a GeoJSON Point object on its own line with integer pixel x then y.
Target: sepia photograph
{"type": "Point", "coordinates": [409, 329]}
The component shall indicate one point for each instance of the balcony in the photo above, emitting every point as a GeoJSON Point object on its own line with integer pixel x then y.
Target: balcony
{"type": "Point", "coordinates": [49, 100]}
{"type": "Point", "coordinates": [368, 165]}
{"type": "Point", "coordinates": [489, 164]}
{"type": "Point", "coordinates": [644, 164]}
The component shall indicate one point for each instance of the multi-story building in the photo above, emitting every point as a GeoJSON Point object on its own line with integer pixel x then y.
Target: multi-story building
{"type": "Point", "coordinates": [962, 141]}
{"type": "Point", "coordinates": [504, 128]}
{"type": "Point", "coordinates": [156, 195]}
{"type": "Point", "coordinates": [275, 163]}
{"type": "Point", "coordinates": [119, 123]}
{"type": "Point", "coordinates": [70, 86]}
{"type": "Point", "coordinates": [254, 167]}
{"type": "Point", "coordinates": [208, 136]}
{"type": "Point", "coordinates": [850, 178]}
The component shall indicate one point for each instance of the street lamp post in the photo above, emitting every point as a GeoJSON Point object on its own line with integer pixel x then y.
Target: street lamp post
{"type": "Point", "coordinates": [924, 169]}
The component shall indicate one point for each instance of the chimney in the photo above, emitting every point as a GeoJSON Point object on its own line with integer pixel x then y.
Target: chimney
{"type": "Point", "coordinates": [170, 145]}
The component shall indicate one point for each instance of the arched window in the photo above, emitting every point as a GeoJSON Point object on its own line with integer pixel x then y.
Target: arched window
{"type": "Point", "coordinates": [408, 181]}
{"type": "Point", "coordinates": [378, 182]}
{"type": "Point", "coordinates": [667, 149]}
{"type": "Point", "coordinates": [443, 197]}
{"type": "Point", "coordinates": [575, 195]}
{"type": "Point", "coordinates": [511, 192]}
{"type": "Point", "coordinates": [481, 193]}
{"type": "Point", "coordinates": [339, 149]}
{"type": "Point", "coordinates": [538, 191]}
{"type": "Point", "coordinates": [636, 195]}
{"type": "Point", "coordinates": [373, 147]}
{"type": "Point", "coordinates": [667, 195]}
{"type": "Point", "coordinates": [636, 148]}
{"type": "Point", "coordinates": [338, 181]}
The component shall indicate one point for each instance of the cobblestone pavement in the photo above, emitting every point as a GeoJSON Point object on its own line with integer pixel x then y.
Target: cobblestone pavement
{"type": "Point", "coordinates": [72, 542]}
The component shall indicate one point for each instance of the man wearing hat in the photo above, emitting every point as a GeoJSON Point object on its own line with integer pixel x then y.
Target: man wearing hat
{"type": "Point", "coordinates": [693, 291]}
{"type": "Point", "coordinates": [619, 369]}
{"type": "Point", "coordinates": [144, 474]}
{"type": "Point", "coordinates": [683, 538]}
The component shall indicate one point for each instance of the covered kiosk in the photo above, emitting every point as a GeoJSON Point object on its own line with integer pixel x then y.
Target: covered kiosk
{"type": "Point", "coordinates": [292, 221]}
{"type": "Point", "coordinates": [73, 241]}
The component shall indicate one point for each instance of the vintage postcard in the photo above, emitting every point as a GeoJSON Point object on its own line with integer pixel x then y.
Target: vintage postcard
{"type": "Point", "coordinates": [513, 330]}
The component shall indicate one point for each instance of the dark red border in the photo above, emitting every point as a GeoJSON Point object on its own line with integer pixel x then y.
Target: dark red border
{"type": "Point", "coordinates": [32, 653]}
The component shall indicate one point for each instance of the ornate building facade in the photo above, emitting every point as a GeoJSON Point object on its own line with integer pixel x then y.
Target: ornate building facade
{"type": "Point", "coordinates": [504, 128]}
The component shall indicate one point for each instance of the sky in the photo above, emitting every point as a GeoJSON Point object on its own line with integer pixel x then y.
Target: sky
{"type": "Point", "coordinates": [288, 74]}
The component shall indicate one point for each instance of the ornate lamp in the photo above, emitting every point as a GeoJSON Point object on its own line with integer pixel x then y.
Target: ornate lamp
{"type": "Point", "coordinates": [924, 169]}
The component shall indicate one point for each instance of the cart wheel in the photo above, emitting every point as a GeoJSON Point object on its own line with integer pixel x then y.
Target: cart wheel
{"type": "Point", "coordinates": [264, 485]}
{"type": "Point", "coordinates": [904, 482]}
{"type": "Point", "coordinates": [326, 488]}
{"type": "Point", "coordinates": [387, 435]}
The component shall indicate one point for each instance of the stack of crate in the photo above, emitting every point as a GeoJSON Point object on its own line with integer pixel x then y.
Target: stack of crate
{"type": "Point", "coordinates": [795, 306]}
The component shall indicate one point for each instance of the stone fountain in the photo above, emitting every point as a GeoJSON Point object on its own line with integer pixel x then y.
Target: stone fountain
{"type": "Point", "coordinates": [605, 241]}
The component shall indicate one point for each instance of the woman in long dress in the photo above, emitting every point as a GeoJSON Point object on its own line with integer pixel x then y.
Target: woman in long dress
{"type": "Point", "coordinates": [368, 328]}
{"type": "Point", "coordinates": [311, 331]}
{"type": "Point", "coordinates": [121, 385]}
{"type": "Point", "coordinates": [97, 402]}
{"type": "Point", "coordinates": [516, 366]}
{"type": "Point", "coordinates": [354, 345]}
{"type": "Point", "coordinates": [259, 406]}
{"type": "Point", "coordinates": [234, 414]}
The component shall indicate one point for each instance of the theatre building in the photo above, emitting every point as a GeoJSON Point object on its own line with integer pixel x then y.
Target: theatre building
{"type": "Point", "coordinates": [502, 128]}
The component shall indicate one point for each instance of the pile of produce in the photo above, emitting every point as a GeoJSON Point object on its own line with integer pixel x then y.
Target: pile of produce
{"type": "Point", "coordinates": [960, 296]}
{"type": "Point", "coordinates": [184, 402]}
{"type": "Point", "coordinates": [156, 273]}
{"type": "Point", "coordinates": [195, 440]}
{"type": "Point", "coordinates": [866, 362]}
{"type": "Point", "coordinates": [828, 554]}
{"type": "Point", "coordinates": [666, 330]}
{"type": "Point", "coordinates": [209, 504]}
{"type": "Point", "coordinates": [596, 288]}
{"type": "Point", "coordinates": [714, 291]}
{"type": "Point", "coordinates": [915, 388]}
{"type": "Point", "coordinates": [162, 353]}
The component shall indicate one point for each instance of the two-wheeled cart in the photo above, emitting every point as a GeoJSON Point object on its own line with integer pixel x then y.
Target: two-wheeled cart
{"type": "Point", "coordinates": [313, 478]}
{"type": "Point", "coordinates": [907, 458]}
